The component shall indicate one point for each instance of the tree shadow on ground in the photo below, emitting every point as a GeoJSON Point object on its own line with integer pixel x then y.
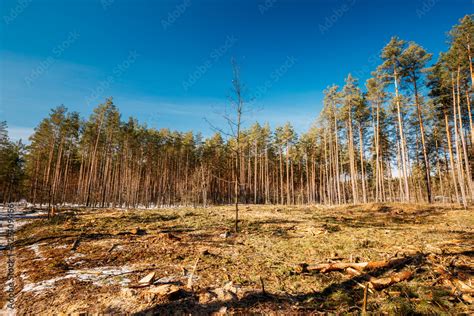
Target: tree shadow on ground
{"type": "Point", "coordinates": [309, 301]}
{"type": "Point", "coordinates": [71, 237]}
{"type": "Point", "coordinates": [274, 226]}
{"type": "Point", "coordinates": [148, 218]}
{"type": "Point", "coordinates": [381, 217]}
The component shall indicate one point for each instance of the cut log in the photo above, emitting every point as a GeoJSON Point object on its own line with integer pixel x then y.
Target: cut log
{"type": "Point", "coordinates": [352, 271]}
{"type": "Point", "coordinates": [381, 283]}
{"type": "Point", "coordinates": [361, 266]}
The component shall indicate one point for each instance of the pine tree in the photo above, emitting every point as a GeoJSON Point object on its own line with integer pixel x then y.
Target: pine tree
{"type": "Point", "coordinates": [377, 97]}
{"type": "Point", "coordinates": [392, 68]}
{"type": "Point", "coordinates": [413, 62]}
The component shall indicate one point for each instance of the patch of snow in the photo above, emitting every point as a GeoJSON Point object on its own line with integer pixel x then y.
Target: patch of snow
{"type": "Point", "coordinates": [103, 275]}
{"type": "Point", "coordinates": [20, 218]}
{"type": "Point", "coordinates": [44, 285]}
{"type": "Point", "coordinates": [170, 279]}
{"type": "Point", "coordinates": [77, 255]}
{"type": "Point", "coordinates": [98, 276]}
{"type": "Point", "coordinates": [36, 249]}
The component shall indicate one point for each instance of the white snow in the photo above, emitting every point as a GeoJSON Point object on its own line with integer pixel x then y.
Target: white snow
{"type": "Point", "coordinates": [36, 249]}
{"type": "Point", "coordinates": [98, 276]}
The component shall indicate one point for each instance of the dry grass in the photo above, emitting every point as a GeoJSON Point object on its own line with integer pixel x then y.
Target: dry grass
{"type": "Point", "coordinates": [272, 242]}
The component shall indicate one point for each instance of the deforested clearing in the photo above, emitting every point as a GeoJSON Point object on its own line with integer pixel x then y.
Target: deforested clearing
{"type": "Point", "coordinates": [408, 259]}
{"type": "Point", "coordinates": [237, 157]}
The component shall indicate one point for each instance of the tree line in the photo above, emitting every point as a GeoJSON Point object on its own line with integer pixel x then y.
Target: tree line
{"type": "Point", "coordinates": [406, 134]}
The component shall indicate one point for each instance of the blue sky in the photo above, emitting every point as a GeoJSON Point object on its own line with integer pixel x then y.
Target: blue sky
{"type": "Point", "coordinates": [167, 63]}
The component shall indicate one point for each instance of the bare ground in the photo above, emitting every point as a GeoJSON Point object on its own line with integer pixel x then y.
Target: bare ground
{"type": "Point", "coordinates": [91, 260]}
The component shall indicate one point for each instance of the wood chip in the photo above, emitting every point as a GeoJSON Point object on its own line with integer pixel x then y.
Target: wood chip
{"type": "Point", "coordinates": [148, 278]}
{"type": "Point", "coordinates": [162, 290]}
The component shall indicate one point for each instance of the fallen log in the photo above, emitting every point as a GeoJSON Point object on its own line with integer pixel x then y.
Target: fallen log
{"type": "Point", "coordinates": [353, 271]}
{"type": "Point", "coordinates": [360, 266]}
{"type": "Point", "coordinates": [381, 283]}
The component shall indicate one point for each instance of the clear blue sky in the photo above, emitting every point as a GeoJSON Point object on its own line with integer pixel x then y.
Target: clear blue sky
{"type": "Point", "coordinates": [167, 62]}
